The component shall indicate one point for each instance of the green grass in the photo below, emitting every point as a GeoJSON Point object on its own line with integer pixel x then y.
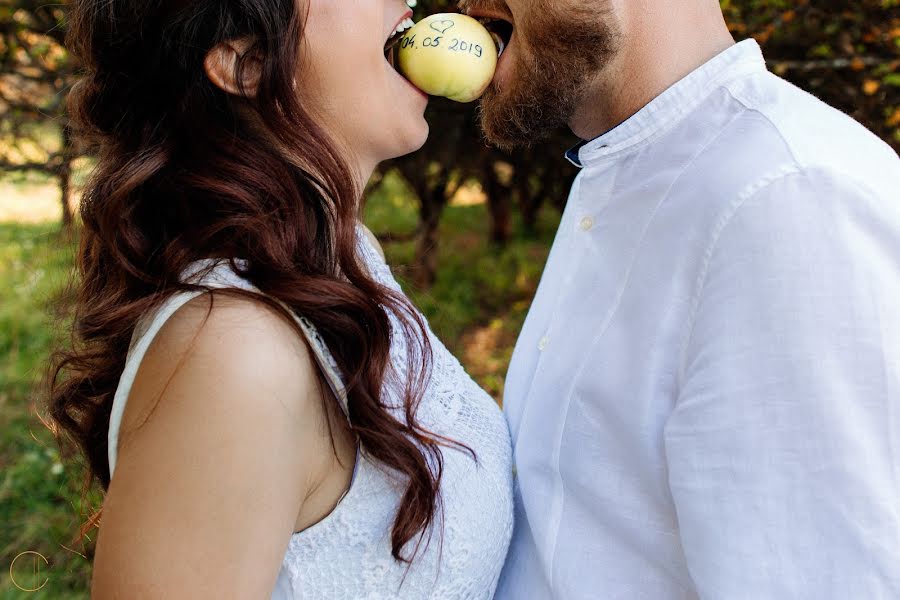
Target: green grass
{"type": "Point", "coordinates": [476, 307]}
{"type": "Point", "coordinates": [39, 497]}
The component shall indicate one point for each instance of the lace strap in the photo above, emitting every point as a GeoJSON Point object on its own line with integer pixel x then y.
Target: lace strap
{"type": "Point", "coordinates": [324, 359]}
{"type": "Point", "coordinates": [217, 273]}
{"type": "Point", "coordinates": [221, 275]}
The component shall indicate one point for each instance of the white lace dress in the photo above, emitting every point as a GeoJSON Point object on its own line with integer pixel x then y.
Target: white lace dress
{"type": "Point", "coordinates": [348, 554]}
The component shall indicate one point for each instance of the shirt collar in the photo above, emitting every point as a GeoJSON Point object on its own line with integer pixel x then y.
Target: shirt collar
{"type": "Point", "coordinates": [672, 105]}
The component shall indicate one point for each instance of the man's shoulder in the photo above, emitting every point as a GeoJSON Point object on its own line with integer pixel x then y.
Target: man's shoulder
{"type": "Point", "coordinates": [777, 129]}
{"type": "Point", "coordinates": [788, 125]}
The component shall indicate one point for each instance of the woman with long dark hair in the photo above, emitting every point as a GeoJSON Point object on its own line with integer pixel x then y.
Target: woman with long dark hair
{"type": "Point", "coordinates": [279, 419]}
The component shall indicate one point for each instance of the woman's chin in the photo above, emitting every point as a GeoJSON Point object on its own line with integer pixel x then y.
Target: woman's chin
{"type": "Point", "coordinates": [413, 138]}
{"type": "Point", "coordinates": [421, 136]}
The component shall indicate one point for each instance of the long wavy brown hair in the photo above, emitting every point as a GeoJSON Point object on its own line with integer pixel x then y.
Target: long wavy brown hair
{"type": "Point", "coordinates": [186, 171]}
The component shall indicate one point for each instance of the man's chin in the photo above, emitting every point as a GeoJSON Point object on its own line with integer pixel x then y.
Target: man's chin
{"type": "Point", "coordinates": [512, 121]}
{"type": "Point", "coordinates": [499, 128]}
{"type": "Point", "coordinates": [540, 91]}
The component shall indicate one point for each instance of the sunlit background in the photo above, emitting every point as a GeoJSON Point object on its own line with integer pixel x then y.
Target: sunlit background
{"type": "Point", "coordinates": [466, 228]}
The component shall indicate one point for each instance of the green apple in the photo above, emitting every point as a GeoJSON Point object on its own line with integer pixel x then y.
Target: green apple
{"type": "Point", "coordinates": [449, 55]}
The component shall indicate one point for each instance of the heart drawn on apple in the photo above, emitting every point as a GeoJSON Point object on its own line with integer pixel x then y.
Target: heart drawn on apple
{"type": "Point", "coordinates": [459, 69]}
{"type": "Point", "coordinates": [442, 26]}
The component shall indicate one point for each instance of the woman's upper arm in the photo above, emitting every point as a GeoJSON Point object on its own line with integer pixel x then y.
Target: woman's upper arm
{"type": "Point", "coordinates": [207, 490]}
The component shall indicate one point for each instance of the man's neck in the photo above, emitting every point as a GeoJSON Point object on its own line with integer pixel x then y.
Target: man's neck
{"type": "Point", "coordinates": [658, 49]}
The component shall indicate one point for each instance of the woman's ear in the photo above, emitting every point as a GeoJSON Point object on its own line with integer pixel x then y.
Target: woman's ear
{"type": "Point", "coordinates": [221, 64]}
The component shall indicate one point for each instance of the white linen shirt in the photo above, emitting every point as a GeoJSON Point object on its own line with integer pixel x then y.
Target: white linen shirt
{"type": "Point", "coordinates": [705, 396]}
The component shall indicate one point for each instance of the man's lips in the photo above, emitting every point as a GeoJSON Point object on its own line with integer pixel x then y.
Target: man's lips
{"type": "Point", "coordinates": [480, 13]}
{"type": "Point", "coordinates": [492, 9]}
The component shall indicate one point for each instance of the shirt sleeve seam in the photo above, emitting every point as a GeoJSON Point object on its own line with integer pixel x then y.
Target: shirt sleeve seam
{"type": "Point", "coordinates": [726, 218]}
{"type": "Point", "coordinates": [743, 101]}
{"type": "Point", "coordinates": [803, 165]}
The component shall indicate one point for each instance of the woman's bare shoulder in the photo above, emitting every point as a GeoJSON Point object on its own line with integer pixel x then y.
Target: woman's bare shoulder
{"type": "Point", "coordinates": [223, 338]}
{"type": "Point", "coordinates": [232, 447]}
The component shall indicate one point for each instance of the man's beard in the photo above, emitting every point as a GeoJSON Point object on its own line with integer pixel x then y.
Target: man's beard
{"type": "Point", "coordinates": [559, 52]}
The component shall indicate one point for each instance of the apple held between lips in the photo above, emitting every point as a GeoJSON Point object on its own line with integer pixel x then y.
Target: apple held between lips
{"type": "Point", "coordinates": [449, 55]}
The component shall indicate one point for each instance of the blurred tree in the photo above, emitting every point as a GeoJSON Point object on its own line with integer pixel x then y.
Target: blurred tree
{"type": "Point", "coordinates": [844, 51]}
{"type": "Point", "coordinates": [847, 53]}
{"type": "Point", "coordinates": [455, 154]}
{"type": "Point", "coordinates": [35, 74]}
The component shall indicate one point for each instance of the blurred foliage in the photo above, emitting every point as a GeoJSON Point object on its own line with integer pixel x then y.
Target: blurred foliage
{"type": "Point", "coordinates": [846, 53]}
{"type": "Point", "coordinates": [477, 305]}
{"type": "Point", "coordinates": [40, 490]}
{"type": "Point", "coordinates": [35, 74]}
{"type": "Point", "coordinates": [475, 294]}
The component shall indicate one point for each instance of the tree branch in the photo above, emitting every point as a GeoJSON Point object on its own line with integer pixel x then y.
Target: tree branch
{"type": "Point", "coordinates": [50, 166]}
{"type": "Point", "coordinates": [830, 64]}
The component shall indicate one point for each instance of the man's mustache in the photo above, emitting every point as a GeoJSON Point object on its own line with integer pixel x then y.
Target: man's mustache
{"type": "Point", "coordinates": [491, 6]}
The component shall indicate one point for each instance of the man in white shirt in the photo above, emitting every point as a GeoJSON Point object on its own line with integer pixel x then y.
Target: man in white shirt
{"type": "Point", "coordinates": [705, 396]}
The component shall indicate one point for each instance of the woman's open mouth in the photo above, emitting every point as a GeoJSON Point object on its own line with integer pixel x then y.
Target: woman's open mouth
{"type": "Point", "coordinates": [390, 46]}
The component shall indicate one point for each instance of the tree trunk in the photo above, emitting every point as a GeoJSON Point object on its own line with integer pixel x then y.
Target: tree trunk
{"type": "Point", "coordinates": [529, 201]}
{"type": "Point", "coordinates": [64, 175]}
{"type": "Point", "coordinates": [499, 202]}
{"type": "Point", "coordinates": [432, 206]}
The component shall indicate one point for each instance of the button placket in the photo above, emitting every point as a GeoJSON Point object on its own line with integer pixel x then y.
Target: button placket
{"type": "Point", "coordinates": [585, 223]}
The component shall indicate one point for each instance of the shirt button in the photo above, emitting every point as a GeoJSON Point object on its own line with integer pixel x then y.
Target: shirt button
{"type": "Point", "coordinates": [543, 343]}
{"type": "Point", "coordinates": [586, 223]}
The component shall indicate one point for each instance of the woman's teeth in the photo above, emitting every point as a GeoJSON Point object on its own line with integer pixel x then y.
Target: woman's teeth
{"type": "Point", "coordinates": [395, 38]}
{"type": "Point", "coordinates": [403, 26]}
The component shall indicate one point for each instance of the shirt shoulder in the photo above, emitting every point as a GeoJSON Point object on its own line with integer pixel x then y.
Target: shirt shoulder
{"type": "Point", "coordinates": [765, 128]}
{"type": "Point", "coordinates": [785, 126]}
{"type": "Point", "coordinates": [784, 185]}
{"type": "Point", "coordinates": [808, 213]}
